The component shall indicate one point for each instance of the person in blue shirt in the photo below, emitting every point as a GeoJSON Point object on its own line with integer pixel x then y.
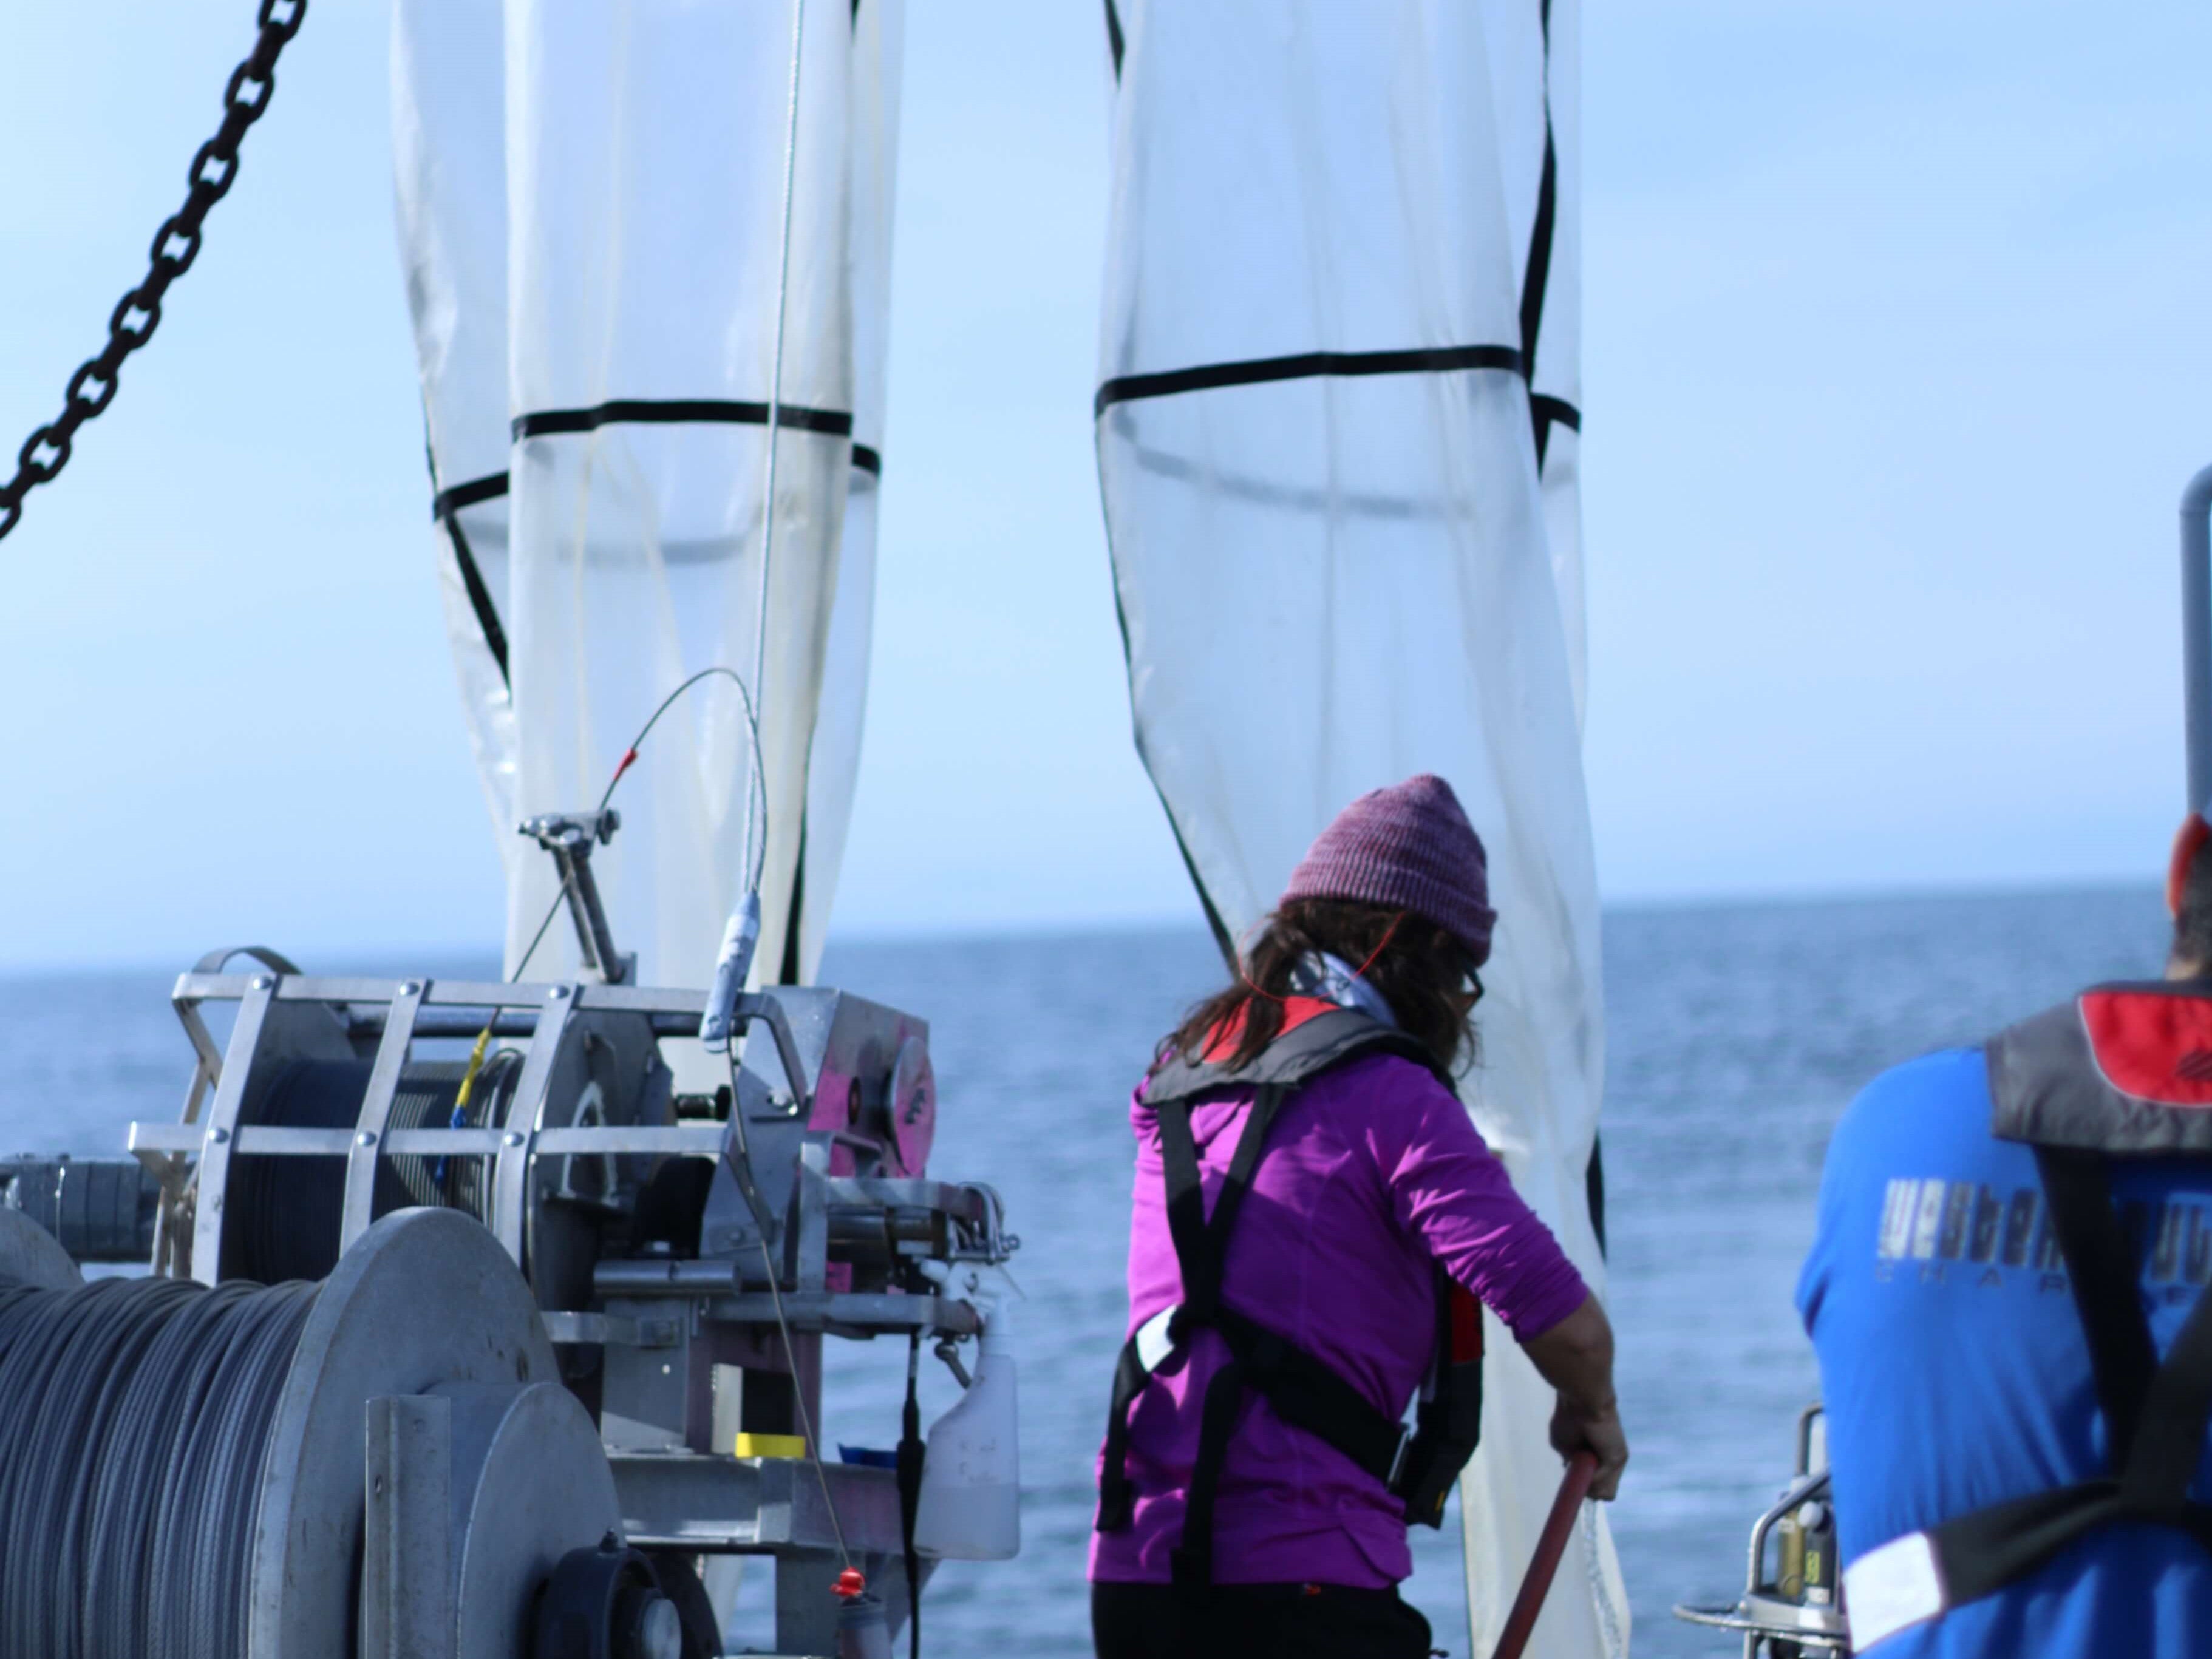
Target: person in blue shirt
{"type": "Point", "coordinates": [1983, 1439]}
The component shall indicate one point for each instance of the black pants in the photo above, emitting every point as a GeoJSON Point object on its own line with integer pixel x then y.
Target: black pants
{"type": "Point", "coordinates": [1263, 1621]}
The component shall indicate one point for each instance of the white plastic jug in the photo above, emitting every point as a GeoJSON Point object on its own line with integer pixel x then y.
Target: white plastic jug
{"type": "Point", "coordinates": [971, 1481]}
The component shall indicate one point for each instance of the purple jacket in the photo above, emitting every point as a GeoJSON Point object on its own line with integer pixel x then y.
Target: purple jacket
{"type": "Point", "coordinates": [1373, 1173]}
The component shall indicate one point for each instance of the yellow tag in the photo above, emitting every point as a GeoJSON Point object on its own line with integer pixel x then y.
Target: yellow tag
{"type": "Point", "coordinates": [771, 1445]}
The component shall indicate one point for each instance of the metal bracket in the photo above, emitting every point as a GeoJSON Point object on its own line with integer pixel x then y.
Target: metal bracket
{"type": "Point", "coordinates": [570, 836]}
{"type": "Point", "coordinates": [406, 1571]}
{"type": "Point", "coordinates": [758, 1006]}
{"type": "Point", "coordinates": [620, 1329]}
{"type": "Point", "coordinates": [376, 1114]}
{"type": "Point", "coordinates": [511, 1169]}
{"type": "Point", "coordinates": [221, 1128]}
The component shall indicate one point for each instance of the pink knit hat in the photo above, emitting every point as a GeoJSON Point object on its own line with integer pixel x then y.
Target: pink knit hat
{"type": "Point", "coordinates": [1409, 847]}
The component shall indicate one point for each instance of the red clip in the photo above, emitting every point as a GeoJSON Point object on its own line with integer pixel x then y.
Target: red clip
{"type": "Point", "coordinates": [850, 1584]}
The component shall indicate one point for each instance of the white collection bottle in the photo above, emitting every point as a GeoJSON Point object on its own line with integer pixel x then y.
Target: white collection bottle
{"type": "Point", "coordinates": [971, 1480]}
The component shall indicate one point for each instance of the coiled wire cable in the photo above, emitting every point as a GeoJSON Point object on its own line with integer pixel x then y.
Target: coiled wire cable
{"type": "Point", "coordinates": [135, 1416]}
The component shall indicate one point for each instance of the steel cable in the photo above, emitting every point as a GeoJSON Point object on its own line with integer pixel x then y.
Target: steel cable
{"type": "Point", "coordinates": [135, 1417]}
{"type": "Point", "coordinates": [287, 1212]}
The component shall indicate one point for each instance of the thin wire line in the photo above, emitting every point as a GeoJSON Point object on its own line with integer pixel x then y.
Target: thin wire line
{"type": "Point", "coordinates": [776, 394]}
{"type": "Point", "coordinates": [782, 1324]}
{"type": "Point", "coordinates": [756, 868]}
{"type": "Point", "coordinates": [537, 938]}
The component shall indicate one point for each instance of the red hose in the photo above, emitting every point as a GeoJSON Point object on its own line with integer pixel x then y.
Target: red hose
{"type": "Point", "coordinates": [1551, 1544]}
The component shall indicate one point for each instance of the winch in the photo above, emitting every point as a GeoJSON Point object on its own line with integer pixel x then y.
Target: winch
{"type": "Point", "coordinates": [549, 1293]}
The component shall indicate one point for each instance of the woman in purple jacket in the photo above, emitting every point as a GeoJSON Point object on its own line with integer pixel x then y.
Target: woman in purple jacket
{"type": "Point", "coordinates": [1308, 1184]}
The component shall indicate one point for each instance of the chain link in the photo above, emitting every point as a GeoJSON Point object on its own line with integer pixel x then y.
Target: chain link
{"type": "Point", "coordinates": [175, 245]}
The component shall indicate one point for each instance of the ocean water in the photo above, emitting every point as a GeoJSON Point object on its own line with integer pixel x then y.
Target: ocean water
{"type": "Point", "coordinates": [1735, 1034]}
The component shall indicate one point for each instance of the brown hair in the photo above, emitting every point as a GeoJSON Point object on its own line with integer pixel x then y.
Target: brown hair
{"type": "Point", "coordinates": [1416, 965]}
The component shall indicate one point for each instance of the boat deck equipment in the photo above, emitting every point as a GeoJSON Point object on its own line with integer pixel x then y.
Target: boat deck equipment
{"type": "Point", "coordinates": [531, 1296]}
{"type": "Point", "coordinates": [1791, 1607]}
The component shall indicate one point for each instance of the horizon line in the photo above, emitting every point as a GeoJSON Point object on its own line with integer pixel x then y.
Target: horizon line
{"type": "Point", "coordinates": [1078, 927]}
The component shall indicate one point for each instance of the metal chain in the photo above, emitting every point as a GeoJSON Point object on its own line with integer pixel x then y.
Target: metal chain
{"type": "Point", "coordinates": [176, 245]}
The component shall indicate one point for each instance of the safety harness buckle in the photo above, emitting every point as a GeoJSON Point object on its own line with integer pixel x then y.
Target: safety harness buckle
{"type": "Point", "coordinates": [1157, 1337]}
{"type": "Point", "coordinates": [1398, 1457]}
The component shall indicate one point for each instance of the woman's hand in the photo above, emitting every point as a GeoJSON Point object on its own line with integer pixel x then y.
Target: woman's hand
{"type": "Point", "coordinates": [1599, 1434]}
{"type": "Point", "coordinates": [1576, 1357]}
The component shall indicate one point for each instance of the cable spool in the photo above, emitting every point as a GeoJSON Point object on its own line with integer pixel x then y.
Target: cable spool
{"type": "Point", "coordinates": [182, 1470]}
{"type": "Point", "coordinates": [287, 1210]}
{"type": "Point", "coordinates": [134, 1421]}
{"type": "Point", "coordinates": [427, 1098]}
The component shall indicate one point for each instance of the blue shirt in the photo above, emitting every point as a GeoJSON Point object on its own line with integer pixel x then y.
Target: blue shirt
{"type": "Point", "coordinates": [1955, 1372]}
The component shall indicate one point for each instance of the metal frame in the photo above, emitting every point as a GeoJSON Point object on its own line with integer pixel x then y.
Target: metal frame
{"type": "Point", "coordinates": [511, 1171]}
{"type": "Point", "coordinates": [219, 1135]}
{"type": "Point", "coordinates": [376, 1114]}
{"type": "Point", "coordinates": [748, 1505]}
{"type": "Point", "coordinates": [192, 1157]}
{"type": "Point", "coordinates": [2196, 634]}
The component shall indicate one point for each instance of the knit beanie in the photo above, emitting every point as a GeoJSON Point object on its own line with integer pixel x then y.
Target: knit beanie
{"type": "Point", "coordinates": [1409, 847]}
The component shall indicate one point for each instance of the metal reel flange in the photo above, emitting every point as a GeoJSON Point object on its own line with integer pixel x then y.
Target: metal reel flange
{"type": "Point", "coordinates": [543, 1489]}
{"type": "Point", "coordinates": [30, 1256]}
{"type": "Point", "coordinates": [426, 1300]}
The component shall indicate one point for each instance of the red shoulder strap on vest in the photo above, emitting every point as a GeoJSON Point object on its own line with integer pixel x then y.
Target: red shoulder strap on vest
{"type": "Point", "coordinates": [1297, 1011]}
{"type": "Point", "coordinates": [1316, 1036]}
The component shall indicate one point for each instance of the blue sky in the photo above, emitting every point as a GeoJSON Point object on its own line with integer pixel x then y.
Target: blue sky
{"type": "Point", "coordinates": [1897, 358]}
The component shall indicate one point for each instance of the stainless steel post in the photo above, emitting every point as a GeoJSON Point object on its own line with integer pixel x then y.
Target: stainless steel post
{"type": "Point", "coordinates": [406, 1572]}
{"type": "Point", "coordinates": [2196, 634]}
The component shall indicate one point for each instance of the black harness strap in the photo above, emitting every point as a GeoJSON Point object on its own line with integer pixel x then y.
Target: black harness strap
{"type": "Point", "coordinates": [1201, 1246]}
{"type": "Point", "coordinates": [1116, 1497]}
{"type": "Point", "coordinates": [2101, 1270]}
{"type": "Point", "coordinates": [1310, 1395]}
{"type": "Point", "coordinates": [1191, 1561]}
{"type": "Point", "coordinates": [2169, 1440]}
{"type": "Point", "coordinates": [1984, 1552]}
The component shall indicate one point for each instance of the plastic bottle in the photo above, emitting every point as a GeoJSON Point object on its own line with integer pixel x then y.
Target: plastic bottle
{"type": "Point", "coordinates": [971, 1504]}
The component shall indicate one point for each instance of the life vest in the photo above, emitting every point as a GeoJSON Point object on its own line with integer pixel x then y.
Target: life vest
{"type": "Point", "coordinates": [2123, 1070]}
{"type": "Point", "coordinates": [1418, 1466]}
